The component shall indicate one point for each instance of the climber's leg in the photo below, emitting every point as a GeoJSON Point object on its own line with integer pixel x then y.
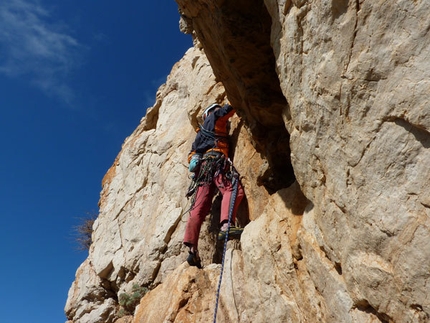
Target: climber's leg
{"type": "Point", "coordinates": [200, 209]}
{"type": "Point", "coordinates": [226, 188]}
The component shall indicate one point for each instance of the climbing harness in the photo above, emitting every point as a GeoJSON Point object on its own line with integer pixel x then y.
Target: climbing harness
{"type": "Point", "coordinates": [211, 164]}
{"type": "Point", "coordinates": [235, 182]}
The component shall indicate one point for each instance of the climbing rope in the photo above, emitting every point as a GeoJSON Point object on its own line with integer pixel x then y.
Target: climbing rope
{"type": "Point", "coordinates": [230, 215]}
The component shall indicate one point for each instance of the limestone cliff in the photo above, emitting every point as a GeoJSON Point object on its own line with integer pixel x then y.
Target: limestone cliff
{"type": "Point", "coordinates": [331, 139]}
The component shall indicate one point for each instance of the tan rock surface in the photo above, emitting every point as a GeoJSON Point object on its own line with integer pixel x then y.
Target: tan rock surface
{"type": "Point", "coordinates": [336, 91]}
{"type": "Point", "coordinates": [138, 235]}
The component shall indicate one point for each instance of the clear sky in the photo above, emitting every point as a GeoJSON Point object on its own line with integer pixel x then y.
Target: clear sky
{"type": "Point", "coordinates": [76, 77]}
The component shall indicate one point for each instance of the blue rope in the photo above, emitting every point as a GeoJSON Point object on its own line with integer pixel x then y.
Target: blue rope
{"type": "Point", "coordinates": [230, 215]}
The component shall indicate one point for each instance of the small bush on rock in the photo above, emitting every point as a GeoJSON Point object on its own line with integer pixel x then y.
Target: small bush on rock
{"type": "Point", "coordinates": [84, 231]}
{"type": "Point", "coordinates": [129, 301]}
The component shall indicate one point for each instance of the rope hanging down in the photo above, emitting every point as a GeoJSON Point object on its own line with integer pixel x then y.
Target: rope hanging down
{"type": "Point", "coordinates": [230, 215]}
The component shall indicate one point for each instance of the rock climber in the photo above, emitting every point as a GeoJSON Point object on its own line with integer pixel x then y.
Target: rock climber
{"type": "Point", "coordinates": [212, 168]}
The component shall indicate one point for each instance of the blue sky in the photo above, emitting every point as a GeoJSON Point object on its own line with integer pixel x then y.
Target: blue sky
{"type": "Point", "coordinates": [76, 77]}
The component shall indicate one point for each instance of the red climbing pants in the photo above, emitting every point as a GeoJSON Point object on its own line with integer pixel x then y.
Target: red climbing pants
{"type": "Point", "coordinates": [203, 203]}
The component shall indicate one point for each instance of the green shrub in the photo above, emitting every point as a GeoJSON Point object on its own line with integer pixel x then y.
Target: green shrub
{"type": "Point", "coordinates": [129, 302]}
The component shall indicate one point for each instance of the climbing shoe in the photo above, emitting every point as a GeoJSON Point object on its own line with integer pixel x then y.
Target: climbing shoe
{"type": "Point", "coordinates": [233, 233]}
{"type": "Point", "coordinates": [194, 260]}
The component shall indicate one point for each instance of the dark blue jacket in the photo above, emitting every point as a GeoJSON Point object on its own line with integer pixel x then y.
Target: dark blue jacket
{"type": "Point", "coordinates": [213, 134]}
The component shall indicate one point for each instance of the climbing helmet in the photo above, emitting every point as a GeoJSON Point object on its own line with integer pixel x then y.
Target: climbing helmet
{"type": "Point", "coordinates": [209, 109]}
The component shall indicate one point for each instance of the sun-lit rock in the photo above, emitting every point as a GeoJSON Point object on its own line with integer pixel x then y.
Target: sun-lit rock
{"type": "Point", "coordinates": [331, 140]}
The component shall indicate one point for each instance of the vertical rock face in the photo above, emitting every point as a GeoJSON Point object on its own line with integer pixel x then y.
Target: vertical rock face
{"type": "Point", "coordinates": [333, 94]}
{"type": "Point", "coordinates": [356, 79]}
{"type": "Point", "coordinates": [137, 237]}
